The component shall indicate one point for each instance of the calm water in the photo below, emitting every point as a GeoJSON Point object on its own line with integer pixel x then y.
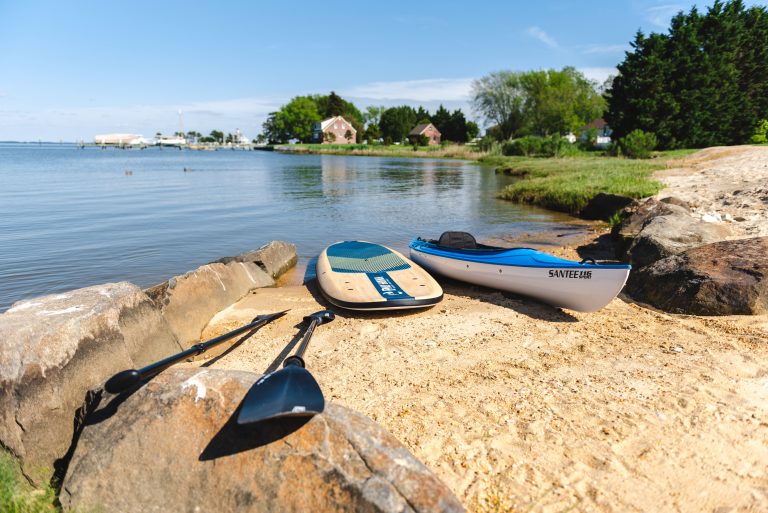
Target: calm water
{"type": "Point", "coordinates": [71, 218]}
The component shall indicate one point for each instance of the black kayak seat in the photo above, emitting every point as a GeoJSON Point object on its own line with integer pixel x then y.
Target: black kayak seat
{"type": "Point", "coordinates": [457, 240]}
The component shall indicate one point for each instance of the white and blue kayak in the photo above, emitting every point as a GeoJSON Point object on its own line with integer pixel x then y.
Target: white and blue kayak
{"type": "Point", "coordinates": [582, 286]}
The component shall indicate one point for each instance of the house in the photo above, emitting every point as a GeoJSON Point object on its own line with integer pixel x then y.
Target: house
{"type": "Point", "coordinates": [427, 129]}
{"type": "Point", "coordinates": [603, 132]}
{"type": "Point", "coordinates": [334, 130]}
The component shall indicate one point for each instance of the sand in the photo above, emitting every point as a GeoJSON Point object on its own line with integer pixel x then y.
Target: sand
{"type": "Point", "coordinates": [729, 182]}
{"type": "Point", "coordinates": [519, 406]}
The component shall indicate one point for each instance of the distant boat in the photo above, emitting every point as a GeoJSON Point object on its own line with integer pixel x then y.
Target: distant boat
{"type": "Point", "coordinates": [171, 140]}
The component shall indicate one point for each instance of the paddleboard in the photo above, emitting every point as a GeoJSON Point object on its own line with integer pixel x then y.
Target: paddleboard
{"type": "Point", "coordinates": [359, 275]}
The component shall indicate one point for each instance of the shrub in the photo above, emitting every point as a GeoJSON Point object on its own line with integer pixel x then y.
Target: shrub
{"type": "Point", "coordinates": [525, 146]}
{"type": "Point", "coordinates": [487, 143]}
{"type": "Point", "coordinates": [387, 141]}
{"type": "Point", "coordinates": [761, 133]}
{"type": "Point", "coordinates": [423, 140]}
{"type": "Point", "coordinates": [637, 144]}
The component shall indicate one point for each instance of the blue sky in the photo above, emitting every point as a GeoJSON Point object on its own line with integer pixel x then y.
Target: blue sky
{"type": "Point", "coordinates": [70, 70]}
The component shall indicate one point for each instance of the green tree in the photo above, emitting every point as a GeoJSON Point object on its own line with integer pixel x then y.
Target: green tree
{"type": "Point", "coordinates": [217, 136]}
{"type": "Point", "coordinates": [472, 130]}
{"type": "Point", "coordinates": [499, 96]}
{"type": "Point", "coordinates": [396, 122]}
{"type": "Point", "coordinates": [372, 133]}
{"type": "Point", "coordinates": [422, 116]}
{"type": "Point", "coordinates": [295, 120]}
{"type": "Point", "coordinates": [703, 83]}
{"type": "Point", "coordinates": [558, 102]}
{"type": "Point", "coordinates": [441, 119]}
{"type": "Point", "coordinates": [372, 114]}
{"type": "Point", "coordinates": [334, 105]}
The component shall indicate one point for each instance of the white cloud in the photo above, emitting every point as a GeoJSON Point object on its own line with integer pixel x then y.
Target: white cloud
{"type": "Point", "coordinates": [538, 33]}
{"type": "Point", "coordinates": [598, 74]}
{"type": "Point", "coordinates": [432, 89]}
{"type": "Point", "coordinates": [661, 14]}
{"type": "Point", "coordinates": [604, 49]}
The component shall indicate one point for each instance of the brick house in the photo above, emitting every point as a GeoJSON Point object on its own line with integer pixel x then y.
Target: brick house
{"type": "Point", "coordinates": [334, 130]}
{"type": "Point", "coordinates": [427, 129]}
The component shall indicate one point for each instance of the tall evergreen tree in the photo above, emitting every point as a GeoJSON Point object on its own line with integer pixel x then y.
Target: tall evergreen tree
{"type": "Point", "coordinates": [703, 83]}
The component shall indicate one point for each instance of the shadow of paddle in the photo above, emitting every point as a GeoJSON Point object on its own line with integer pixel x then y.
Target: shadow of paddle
{"type": "Point", "coordinates": [234, 438]}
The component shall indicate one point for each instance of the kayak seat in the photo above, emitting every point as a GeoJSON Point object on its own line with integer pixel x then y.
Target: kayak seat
{"type": "Point", "coordinates": [457, 240]}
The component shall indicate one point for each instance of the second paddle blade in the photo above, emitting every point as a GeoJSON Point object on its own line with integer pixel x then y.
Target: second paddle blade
{"type": "Point", "coordinates": [289, 392]}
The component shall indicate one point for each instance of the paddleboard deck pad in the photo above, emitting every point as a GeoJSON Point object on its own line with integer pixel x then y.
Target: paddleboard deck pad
{"type": "Point", "coordinates": [359, 275]}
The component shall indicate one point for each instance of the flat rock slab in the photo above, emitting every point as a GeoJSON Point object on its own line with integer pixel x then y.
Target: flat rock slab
{"type": "Point", "coordinates": [274, 258]}
{"type": "Point", "coordinates": [189, 301]}
{"type": "Point", "coordinates": [724, 278]}
{"type": "Point", "coordinates": [174, 446]}
{"type": "Point", "coordinates": [53, 349]}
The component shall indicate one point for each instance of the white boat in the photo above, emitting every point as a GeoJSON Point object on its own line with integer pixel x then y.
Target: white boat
{"type": "Point", "coordinates": [582, 286]}
{"type": "Point", "coordinates": [171, 140]}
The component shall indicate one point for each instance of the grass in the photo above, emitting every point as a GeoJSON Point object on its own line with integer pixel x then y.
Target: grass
{"type": "Point", "coordinates": [18, 496]}
{"type": "Point", "coordinates": [567, 184]}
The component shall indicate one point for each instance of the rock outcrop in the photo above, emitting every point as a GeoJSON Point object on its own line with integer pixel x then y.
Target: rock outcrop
{"type": "Point", "coordinates": [274, 258]}
{"type": "Point", "coordinates": [53, 349]}
{"type": "Point", "coordinates": [635, 217]}
{"type": "Point", "coordinates": [174, 445]}
{"type": "Point", "coordinates": [672, 234]}
{"type": "Point", "coordinates": [724, 278]}
{"type": "Point", "coordinates": [603, 206]}
{"type": "Point", "coordinates": [189, 301]}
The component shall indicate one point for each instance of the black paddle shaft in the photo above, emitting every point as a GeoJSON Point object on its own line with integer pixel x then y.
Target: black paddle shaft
{"type": "Point", "coordinates": [127, 378]}
{"type": "Point", "coordinates": [316, 319]}
{"type": "Point", "coordinates": [289, 392]}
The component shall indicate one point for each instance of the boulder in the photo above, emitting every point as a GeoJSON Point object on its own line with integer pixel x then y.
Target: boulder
{"type": "Point", "coordinates": [724, 278]}
{"type": "Point", "coordinates": [603, 206]}
{"type": "Point", "coordinates": [274, 258]}
{"type": "Point", "coordinates": [175, 446]}
{"type": "Point", "coordinates": [672, 234]}
{"type": "Point", "coordinates": [674, 200]}
{"type": "Point", "coordinates": [188, 302]}
{"type": "Point", "coordinates": [53, 349]}
{"type": "Point", "coordinates": [635, 217]}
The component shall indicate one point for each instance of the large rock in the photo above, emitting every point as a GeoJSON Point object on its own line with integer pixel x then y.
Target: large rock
{"type": "Point", "coordinates": [188, 302]}
{"type": "Point", "coordinates": [174, 446]}
{"type": "Point", "coordinates": [274, 258]}
{"type": "Point", "coordinates": [636, 216]}
{"type": "Point", "coordinates": [672, 234]}
{"type": "Point", "coordinates": [53, 349]}
{"type": "Point", "coordinates": [603, 206]}
{"type": "Point", "coordinates": [725, 278]}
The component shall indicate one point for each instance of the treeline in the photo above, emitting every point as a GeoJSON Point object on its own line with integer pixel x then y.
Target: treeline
{"type": "Point", "coordinates": [704, 83]}
{"type": "Point", "coordinates": [541, 103]}
{"type": "Point", "coordinates": [296, 119]}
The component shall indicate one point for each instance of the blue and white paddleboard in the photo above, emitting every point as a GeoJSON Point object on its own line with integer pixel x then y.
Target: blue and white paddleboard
{"type": "Point", "coordinates": [359, 275]}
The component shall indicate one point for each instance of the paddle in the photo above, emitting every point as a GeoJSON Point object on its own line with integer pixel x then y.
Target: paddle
{"type": "Point", "coordinates": [290, 391]}
{"type": "Point", "coordinates": [127, 378]}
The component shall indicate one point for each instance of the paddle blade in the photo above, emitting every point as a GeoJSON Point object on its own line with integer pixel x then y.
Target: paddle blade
{"type": "Point", "coordinates": [289, 392]}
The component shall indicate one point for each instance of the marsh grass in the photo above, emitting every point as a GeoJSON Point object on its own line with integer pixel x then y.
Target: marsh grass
{"type": "Point", "coordinates": [18, 496]}
{"type": "Point", "coordinates": [567, 184]}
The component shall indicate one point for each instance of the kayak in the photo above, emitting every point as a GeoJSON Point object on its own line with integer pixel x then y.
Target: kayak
{"type": "Point", "coordinates": [359, 275]}
{"type": "Point", "coordinates": [583, 286]}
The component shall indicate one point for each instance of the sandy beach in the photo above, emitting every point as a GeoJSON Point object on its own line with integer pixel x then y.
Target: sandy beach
{"type": "Point", "coordinates": [519, 406]}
